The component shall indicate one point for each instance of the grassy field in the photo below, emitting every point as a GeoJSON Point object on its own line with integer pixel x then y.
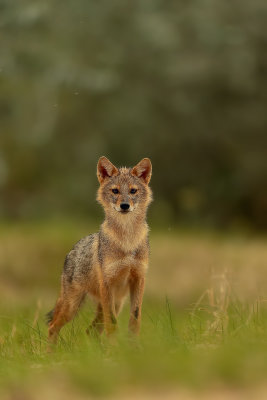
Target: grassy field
{"type": "Point", "coordinates": [203, 327]}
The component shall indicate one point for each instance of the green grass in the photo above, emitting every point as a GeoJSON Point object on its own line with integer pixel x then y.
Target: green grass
{"type": "Point", "coordinates": [204, 318]}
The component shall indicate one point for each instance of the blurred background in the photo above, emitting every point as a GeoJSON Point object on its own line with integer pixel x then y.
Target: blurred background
{"type": "Point", "coordinates": [184, 83]}
{"type": "Point", "coordinates": [181, 82]}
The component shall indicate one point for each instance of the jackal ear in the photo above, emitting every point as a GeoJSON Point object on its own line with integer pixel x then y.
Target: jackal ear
{"type": "Point", "coordinates": [105, 169]}
{"type": "Point", "coordinates": [143, 170]}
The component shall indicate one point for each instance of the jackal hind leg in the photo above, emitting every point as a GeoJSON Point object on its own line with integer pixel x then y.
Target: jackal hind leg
{"type": "Point", "coordinates": [97, 324]}
{"type": "Point", "coordinates": [118, 306]}
{"type": "Point", "coordinates": [65, 310]}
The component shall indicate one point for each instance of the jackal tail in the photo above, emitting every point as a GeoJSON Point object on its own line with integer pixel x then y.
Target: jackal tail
{"type": "Point", "coordinates": [49, 316]}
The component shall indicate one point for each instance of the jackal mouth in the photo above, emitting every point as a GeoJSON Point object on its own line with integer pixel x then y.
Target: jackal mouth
{"type": "Point", "coordinates": [121, 211]}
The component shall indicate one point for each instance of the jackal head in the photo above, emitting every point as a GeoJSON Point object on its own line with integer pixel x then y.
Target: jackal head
{"type": "Point", "coordinates": [124, 190]}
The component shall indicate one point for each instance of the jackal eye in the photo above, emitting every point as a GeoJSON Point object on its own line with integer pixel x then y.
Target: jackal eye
{"type": "Point", "coordinates": [133, 191]}
{"type": "Point", "coordinates": [115, 191]}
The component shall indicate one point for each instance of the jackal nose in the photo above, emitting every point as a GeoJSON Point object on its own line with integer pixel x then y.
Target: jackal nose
{"type": "Point", "coordinates": [124, 206]}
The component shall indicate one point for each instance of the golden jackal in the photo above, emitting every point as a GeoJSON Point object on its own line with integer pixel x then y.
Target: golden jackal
{"type": "Point", "coordinates": [107, 264]}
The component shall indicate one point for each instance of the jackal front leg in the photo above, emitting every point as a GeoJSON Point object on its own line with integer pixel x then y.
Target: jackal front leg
{"type": "Point", "coordinates": [108, 306]}
{"type": "Point", "coordinates": [137, 285]}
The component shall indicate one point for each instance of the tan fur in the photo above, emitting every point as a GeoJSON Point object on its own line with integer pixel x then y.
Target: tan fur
{"type": "Point", "coordinates": [113, 262]}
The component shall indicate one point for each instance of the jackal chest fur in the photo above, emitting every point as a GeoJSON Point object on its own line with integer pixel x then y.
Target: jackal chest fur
{"type": "Point", "coordinates": [123, 253]}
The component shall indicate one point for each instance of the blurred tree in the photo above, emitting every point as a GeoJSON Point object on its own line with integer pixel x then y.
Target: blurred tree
{"type": "Point", "coordinates": [183, 83]}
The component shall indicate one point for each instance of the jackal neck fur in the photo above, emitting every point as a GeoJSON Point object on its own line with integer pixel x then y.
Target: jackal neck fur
{"type": "Point", "coordinates": [127, 233]}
